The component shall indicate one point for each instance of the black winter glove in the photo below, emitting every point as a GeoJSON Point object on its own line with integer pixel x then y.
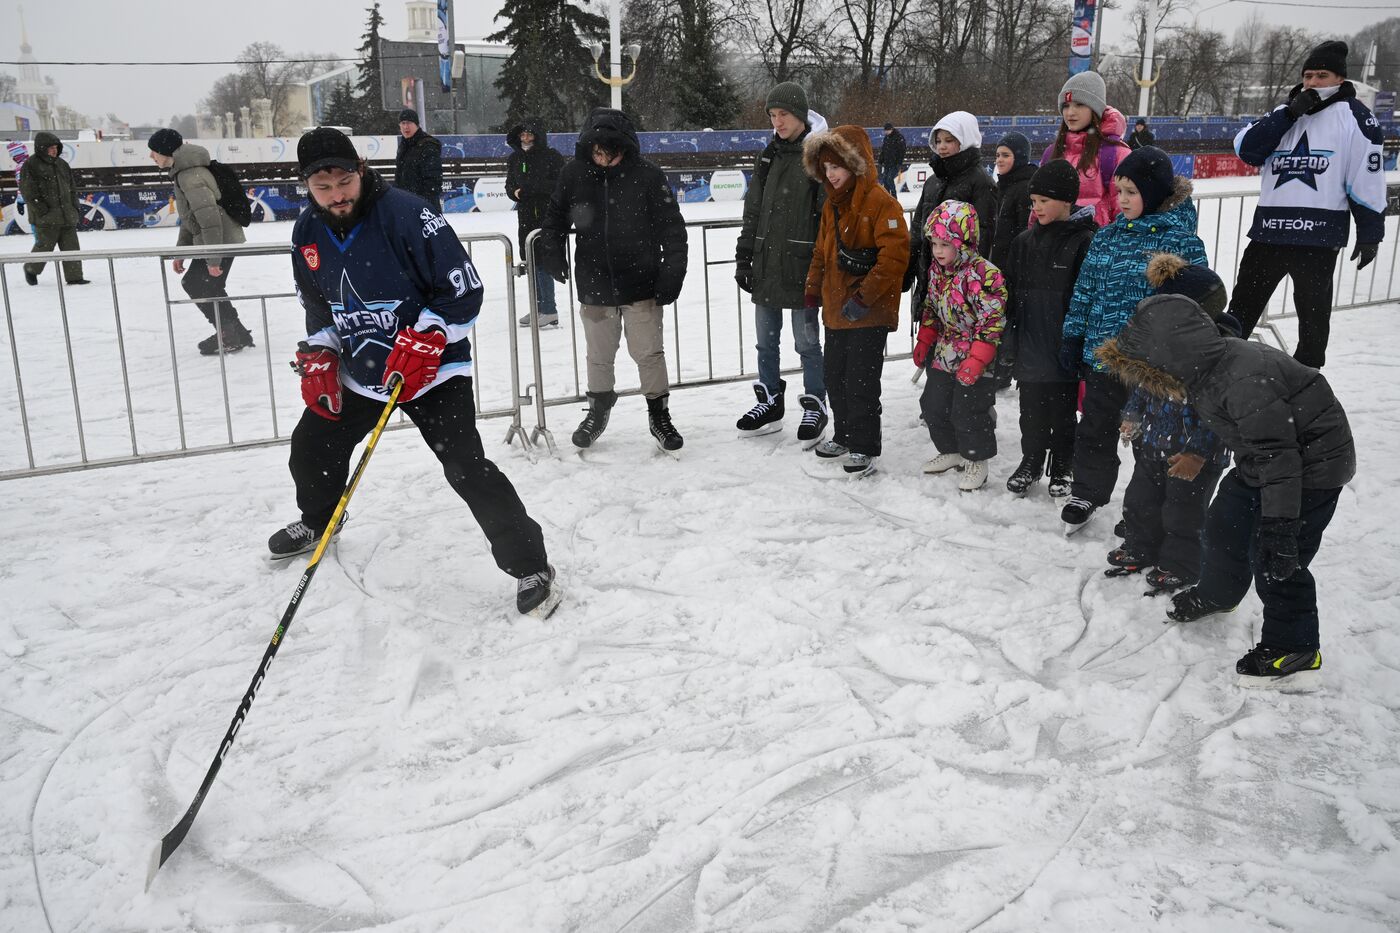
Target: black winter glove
{"type": "Point", "coordinates": [744, 276]}
{"type": "Point", "coordinates": [1364, 254]}
{"type": "Point", "coordinates": [1303, 102]}
{"type": "Point", "coordinates": [667, 297]}
{"type": "Point", "coordinates": [1071, 354]}
{"type": "Point", "coordinates": [1278, 548]}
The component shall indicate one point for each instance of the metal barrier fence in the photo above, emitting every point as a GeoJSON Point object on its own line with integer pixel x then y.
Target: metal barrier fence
{"type": "Point", "coordinates": [1224, 218]}
{"type": "Point", "coordinates": [132, 391]}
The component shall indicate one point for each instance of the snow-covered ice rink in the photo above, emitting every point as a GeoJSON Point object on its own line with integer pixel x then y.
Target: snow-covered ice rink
{"type": "Point", "coordinates": [772, 700]}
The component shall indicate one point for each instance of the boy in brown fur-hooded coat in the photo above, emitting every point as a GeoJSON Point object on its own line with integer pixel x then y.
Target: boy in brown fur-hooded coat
{"type": "Point", "coordinates": [859, 307]}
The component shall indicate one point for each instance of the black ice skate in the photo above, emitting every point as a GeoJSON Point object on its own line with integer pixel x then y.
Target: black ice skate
{"type": "Point", "coordinates": [298, 538]}
{"type": "Point", "coordinates": [1123, 563]}
{"type": "Point", "coordinates": [537, 594]}
{"type": "Point", "coordinates": [1061, 477]}
{"type": "Point", "coordinates": [1026, 475]}
{"type": "Point", "coordinates": [1165, 581]}
{"type": "Point", "coordinates": [1188, 606]}
{"type": "Point", "coordinates": [1272, 668]}
{"type": "Point", "coordinates": [1076, 514]}
{"type": "Point", "coordinates": [659, 417]}
{"type": "Point", "coordinates": [593, 424]}
{"type": "Point", "coordinates": [814, 421]}
{"type": "Point", "coordinates": [766, 416]}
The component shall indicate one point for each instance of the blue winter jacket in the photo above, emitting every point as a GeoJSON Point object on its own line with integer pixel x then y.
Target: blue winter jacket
{"type": "Point", "coordinates": [1169, 427]}
{"type": "Point", "coordinates": [1112, 279]}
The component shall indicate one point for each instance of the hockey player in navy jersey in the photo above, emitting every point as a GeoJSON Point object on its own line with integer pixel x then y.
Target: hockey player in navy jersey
{"type": "Point", "coordinates": [1320, 158]}
{"type": "Point", "coordinates": [388, 289]}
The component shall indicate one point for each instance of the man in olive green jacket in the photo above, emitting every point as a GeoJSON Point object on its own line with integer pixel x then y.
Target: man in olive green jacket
{"type": "Point", "coordinates": [781, 213]}
{"type": "Point", "coordinates": [203, 222]}
{"type": "Point", "coordinates": [51, 204]}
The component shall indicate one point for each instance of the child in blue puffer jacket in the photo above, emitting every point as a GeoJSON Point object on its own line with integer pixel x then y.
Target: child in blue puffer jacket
{"type": "Point", "coordinates": [1177, 459]}
{"type": "Point", "coordinates": [1157, 215]}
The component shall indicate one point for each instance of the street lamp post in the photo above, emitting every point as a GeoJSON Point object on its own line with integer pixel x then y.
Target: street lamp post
{"type": "Point", "coordinates": [614, 78]}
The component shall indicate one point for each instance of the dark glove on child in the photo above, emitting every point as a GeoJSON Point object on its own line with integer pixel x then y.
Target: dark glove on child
{"type": "Point", "coordinates": [1278, 548]}
{"type": "Point", "coordinates": [1364, 254]}
{"type": "Point", "coordinates": [1071, 354]}
{"type": "Point", "coordinates": [1303, 102]}
{"type": "Point", "coordinates": [854, 309]}
{"type": "Point", "coordinates": [744, 276]}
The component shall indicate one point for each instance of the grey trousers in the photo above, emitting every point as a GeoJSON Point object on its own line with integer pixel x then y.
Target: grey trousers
{"type": "Point", "coordinates": [602, 332]}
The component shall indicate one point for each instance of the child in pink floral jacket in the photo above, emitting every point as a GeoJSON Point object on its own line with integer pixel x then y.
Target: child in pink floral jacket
{"type": "Point", "coordinates": [962, 319]}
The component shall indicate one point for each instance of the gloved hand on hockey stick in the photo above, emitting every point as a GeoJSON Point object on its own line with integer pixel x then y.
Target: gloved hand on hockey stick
{"type": "Point", "coordinates": [415, 358]}
{"type": "Point", "coordinates": [319, 368]}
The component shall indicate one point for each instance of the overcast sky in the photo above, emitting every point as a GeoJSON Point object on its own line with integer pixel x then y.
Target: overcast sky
{"type": "Point", "coordinates": [180, 30]}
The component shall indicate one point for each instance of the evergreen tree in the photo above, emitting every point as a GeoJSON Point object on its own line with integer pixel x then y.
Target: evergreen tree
{"type": "Point", "coordinates": [703, 99]}
{"type": "Point", "coordinates": [342, 109]}
{"type": "Point", "coordinates": [369, 93]}
{"type": "Point", "coordinates": [549, 74]}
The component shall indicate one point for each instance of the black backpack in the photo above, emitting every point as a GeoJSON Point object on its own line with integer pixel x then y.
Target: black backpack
{"type": "Point", "coordinates": [232, 196]}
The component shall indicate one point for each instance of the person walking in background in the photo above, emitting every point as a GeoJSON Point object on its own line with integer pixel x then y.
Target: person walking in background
{"type": "Point", "coordinates": [1042, 265]}
{"type": "Point", "coordinates": [957, 176]}
{"type": "Point", "coordinates": [1156, 214]}
{"type": "Point", "coordinates": [629, 264]}
{"type": "Point", "coordinates": [856, 278]}
{"type": "Point", "coordinates": [891, 158]}
{"type": "Point", "coordinates": [203, 222]}
{"type": "Point", "coordinates": [418, 163]}
{"type": "Point", "coordinates": [1141, 135]}
{"type": "Point", "coordinates": [963, 317]}
{"type": "Point", "coordinates": [387, 293]}
{"type": "Point", "coordinates": [1293, 454]}
{"type": "Point", "coordinates": [51, 204]}
{"type": "Point", "coordinates": [1091, 139]}
{"type": "Point", "coordinates": [781, 212]}
{"type": "Point", "coordinates": [1320, 157]}
{"type": "Point", "coordinates": [531, 172]}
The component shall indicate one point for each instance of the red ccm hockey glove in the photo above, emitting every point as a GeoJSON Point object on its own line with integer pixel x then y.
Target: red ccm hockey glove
{"type": "Point", "coordinates": [978, 359]}
{"type": "Point", "coordinates": [319, 369]}
{"type": "Point", "coordinates": [415, 358]}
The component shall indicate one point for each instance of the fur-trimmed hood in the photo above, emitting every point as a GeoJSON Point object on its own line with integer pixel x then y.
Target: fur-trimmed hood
{"type": "Point", "coordinates": [1181, 193]}
{"type": "Point", "coordinates": [1169, 344]}
{"type": "Point", "coordinates": [849, 144]}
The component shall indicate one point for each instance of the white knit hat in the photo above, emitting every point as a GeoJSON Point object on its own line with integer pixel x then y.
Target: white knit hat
{"type": "Point", "coordinates": [962, 126]}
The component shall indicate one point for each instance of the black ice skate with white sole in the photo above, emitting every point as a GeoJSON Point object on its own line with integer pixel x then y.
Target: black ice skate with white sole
{"type": "Point", "coordinates": [1025, 476]}
{"type": "Point", "coordinates": [537, 594]}
{"type": "Point", "coordinates": [1061, 477]}
{"type": "Point", "coordinates": [814, 421]}
{"type": "Point", "coordinates": [297, 538]}
{"type": "Point", "coordinates": [766, 416]}
{"type": "Point", "coordinates": [1076, 514]}
{"type": "Point", "coordinates": [1276, 669]}
{"type": "Point", "coordinates": [668, 439]}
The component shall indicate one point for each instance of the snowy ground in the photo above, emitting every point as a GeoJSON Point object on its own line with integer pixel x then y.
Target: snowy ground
{"type": "Point", "coordinates": [772, 700]}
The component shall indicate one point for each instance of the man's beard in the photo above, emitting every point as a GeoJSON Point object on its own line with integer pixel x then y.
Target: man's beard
{"type": "Point", "coordinates": [342, 224]}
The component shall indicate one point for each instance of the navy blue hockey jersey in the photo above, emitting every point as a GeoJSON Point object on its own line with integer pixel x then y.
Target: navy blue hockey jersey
{"type": "Point", "coordinates": [401, 266]}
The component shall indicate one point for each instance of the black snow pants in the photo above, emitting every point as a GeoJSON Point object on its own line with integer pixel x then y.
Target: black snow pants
{"type": "Point", "coordinates": [1263, 266]}
{"type": "Point", "coordinates": [853, 361]}
{"type": "Point", "coordinates": [1165, 516]}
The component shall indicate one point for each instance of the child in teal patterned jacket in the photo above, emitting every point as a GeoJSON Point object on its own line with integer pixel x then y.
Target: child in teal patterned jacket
{"type": "Point", "coordinates": [1157, 215]}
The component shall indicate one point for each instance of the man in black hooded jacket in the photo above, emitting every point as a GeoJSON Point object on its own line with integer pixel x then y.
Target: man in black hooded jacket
{"type": "Point", "coordinates": [531, 172]}
{"type": "Point", "coordinates": [1293, 453]}
{"type": "Point", "coordinates": [629, 263]}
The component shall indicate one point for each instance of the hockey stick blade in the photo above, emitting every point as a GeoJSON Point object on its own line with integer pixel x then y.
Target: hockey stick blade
{"type": "Point", "coordinates": [171, 840]}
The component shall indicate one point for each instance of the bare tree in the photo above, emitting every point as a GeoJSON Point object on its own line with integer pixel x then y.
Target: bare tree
{"type": "Point", "coordinates": [7, 86]}
{"type": "Point", "coordinates": [789, 35]}
{"type": "Point", "coordinates": [874, 39]}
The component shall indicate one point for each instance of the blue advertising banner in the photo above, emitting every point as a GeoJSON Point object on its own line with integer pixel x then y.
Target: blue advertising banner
{"type": "Point", "coordinates": [444, 40]}
{"type": "Point", "coordinates": [1081, 36]}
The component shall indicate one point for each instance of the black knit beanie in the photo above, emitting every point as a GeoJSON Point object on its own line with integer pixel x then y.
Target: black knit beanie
{"type": "Point", "coordinates": [1150, 169]}
{"type": "Point", "coordinates": [1329, 56]}
{"type": "Point", "coordinates": [1020, 148]}
{"type": "Point", "coordinates": [165, 142]}
{"type": "Point", "coordinates": [1057, 180]}
{"type": "Point", "coordinates": [790, 97]}
{"type": "Point", "coordinates": [408, 115]}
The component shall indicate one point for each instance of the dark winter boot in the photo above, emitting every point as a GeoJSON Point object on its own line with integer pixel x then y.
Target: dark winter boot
{"type": "Point", "coordinates": [236, 337]}
{"type": "Point", "coordinates": [1026, 475]}
{"type": "Point", "coordinates": [1061, 476]}
{"type": "Point", "coordinates": [767, 416]}
{"type": "Point", "coordinates": [1188, 606]}
{"type": "Point", "coordinates": [659, 416]}
{"type": "Point", "coordinates": [1166, 581]}
{"type": "Point", "coordinates": [591, 428]}
{"type": "Point", "coordinates": [1123, 562]}
{"type": "Point", "coordinates": [537, 594]}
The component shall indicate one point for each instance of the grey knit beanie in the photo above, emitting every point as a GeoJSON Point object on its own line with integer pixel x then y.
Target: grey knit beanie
{"type": "Point", "coordinates": [1085, 88]}
{"type": "Point", "coordinates": [789, 97]}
